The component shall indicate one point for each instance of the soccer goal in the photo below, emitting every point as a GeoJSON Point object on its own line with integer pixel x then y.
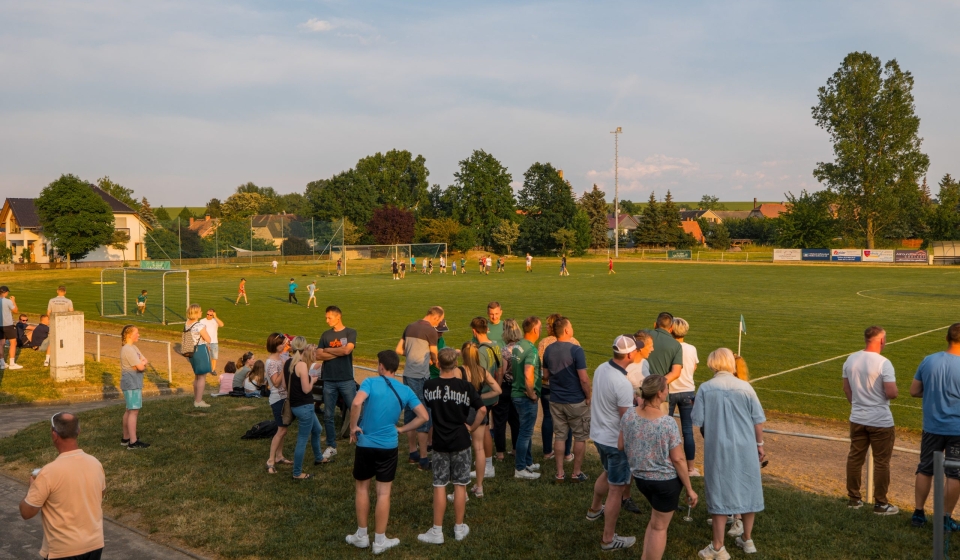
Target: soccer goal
{"type": "Point", "coordinates": [165, 301]}
{"type": "Point", "coordinates": [378, 258]}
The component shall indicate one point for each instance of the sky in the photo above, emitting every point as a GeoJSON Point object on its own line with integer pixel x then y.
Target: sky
{"type": "Point", "coordinates": [184, 100]}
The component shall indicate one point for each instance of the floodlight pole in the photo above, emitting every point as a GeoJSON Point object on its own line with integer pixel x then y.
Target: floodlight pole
{"type": "Point", "coordinates": [313, 240]}
{"type": "Point", "coordinates": [180, 241]}
{"type": "Point", "coordinates": [251, 240]}
{"type": "Point", "coordinates": [616, 191]}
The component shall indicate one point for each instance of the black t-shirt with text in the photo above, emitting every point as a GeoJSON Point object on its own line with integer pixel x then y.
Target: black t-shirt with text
{"type": "Point", "coordinates": [338, 369]}
{"type": "Point", "coordinates": [449, 402]}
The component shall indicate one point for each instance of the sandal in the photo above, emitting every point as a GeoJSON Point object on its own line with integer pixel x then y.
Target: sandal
{"type": "Point", "coordinates": [284, 461]}
{"type": "Point", "coordinates": [271, 469]}
{"type": "Point", "coordinates": [305, 476]}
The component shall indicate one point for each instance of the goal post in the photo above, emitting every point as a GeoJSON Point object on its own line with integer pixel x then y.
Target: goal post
{"type": "Point", "coordinates": [378, 258]}
{"type": "Point", "coordinates": [166, 299]}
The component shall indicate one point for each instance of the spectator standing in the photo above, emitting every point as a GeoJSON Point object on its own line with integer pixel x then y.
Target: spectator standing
{"type": "Point", "coordinates": [639, 368]}
{"type": "Point", "coordinates": [504, 413]}
{"type": "Point", "coordinates": [8, 306]}
{"type": "Point", "coordinates": [683, 391]}
{"type": "Point", "coordinates": [651, 441]}
{"type": "Point", "coordinates": [132, 366]}
{"type": "Point", "coordinates": [870, 383]}
{"type": "Point", "coordinates": [612, 396]}
{"type": "Point", "coordinates": [335, 350]}
{"type": "Point", "coordinates": [937, 382]}
{"type": "Point", "coordinates": [494, 324]}
{"type": "Point", "coordinates": [375, 433]}
{"type": "Point", "coordinates": [732, 419]}
{"type": "Point", "coordinates": [527, 377]}
{"type": "Point", "coordinates": [486, 385]}
{"type": "Point", "coordinates": [69, 492]}
{"type": "Point", "coordinates": [546, 425]}
{"type": "Point", "coordinates": [296, 375]}
{"type": "Point", "coordinates": [273, 368]}
{"type": "Point", "coordinates": [292, 292]}
{"type": "Point", "coordinates": [667, 356]}
{"type": "Point", "coordinates": [565, 366]}
{"type": "Point", "coordinates": [419, 345]}
{"type": "Point", "coordinates": [212, 324]}
{"type": "Point", "coordinates": [449, 400]}
{"type": "Point", "coordinates": [312, 294]}
{"type": "Point", "coordinates": [441, 344]}
{"type": "Point", "coordinates": [489, 356]}
{"type": "Point", "coordinates": [200, 338]}
{"type": "Point", "coordinates": [60, 304]}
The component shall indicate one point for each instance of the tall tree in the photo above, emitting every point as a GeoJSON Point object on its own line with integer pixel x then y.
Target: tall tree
{"type": "Point", "coordinates": [346, 194]}
{"type": "Point", "coordinates": [945, 217]}
{"type": "Point", "coordinates": [548, 204]}
{"type": "Point", "coordinates": [438, 230]}
{"type": "Point", "coordinates": [390, 225]}
{"type": "Point", "coordinates": [709, 202]}
{"type": "Point", "coordinates": [185, 215]}
{"type": "Point", "coordinates": [118, 191]}
{"type": "Point", "coordinates": [214, 208]}
{"type": "Point", "coordinates": [271, 199]}
{"type": "Point", "coordinates": [594, 203]}
{"type": "Point", "coordinates": [74, 218]}
{"type": "Point", "coordinates": [868, 110]}
{"type": "Point", "coordinates": [505, 235]}
{"type": "Point", "coordinates": [242, 205]}
{"type": "Point", "coordinates": [119, 241]}
{"type": "Point", "coordinates": [162, 215]}
{"type": "Point", "coordinates": [808, 221]}
{"type": "Point", "coordinates": [648, 229]}
{"type": "Point", "coordinates": [481, 196]}
{"type": "Point", "coordinates": [670, 230]}
{"type": "Point", "coordinates": [441, 203]}
{"type": "Point", "coordinates": [296, 204]}
{"type": "Point", "coordinates": [397, 178]}
{"type": "Point", "coordinates": [718, 236]}
{"type": "Point", "coordinates": [146, 213]}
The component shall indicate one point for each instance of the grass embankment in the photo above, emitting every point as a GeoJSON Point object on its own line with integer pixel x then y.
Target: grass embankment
{"type": "Point", "coordinates": [201, 486]}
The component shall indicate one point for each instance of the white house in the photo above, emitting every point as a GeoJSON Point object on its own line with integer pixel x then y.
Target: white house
{"type": "Point", "coordinates": [24, 235]}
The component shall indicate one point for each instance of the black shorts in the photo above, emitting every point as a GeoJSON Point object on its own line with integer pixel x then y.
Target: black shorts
{"type": "Point", "coordinates": [277, 409]}
{"type": "Point", "coordinates": [370, 462]}
{"type": "Point", "coordinates": [663, 495]}
{"type": "Point", "coordinates": [9, 332]}
{"type": "Point", "coordinates": [929, 443]}
{"type": "Point", "coordinates": [92, 555]}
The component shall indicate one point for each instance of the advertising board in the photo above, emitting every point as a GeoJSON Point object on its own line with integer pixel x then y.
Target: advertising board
{"type": "Point", "coordinates": [846, 255]}
{"type": "Point", "coordinates": [878, 255]}
{"type": "Point", "coordinates": [815, 254]}
{"type": "Point", "coordinates": [680, 255]}
{"type": "Point", "coordinates": [155, 265]}
{"type": "Point", "coordinates": [908, 256]}
{"type": "Point", "coordinates": [787, 254]}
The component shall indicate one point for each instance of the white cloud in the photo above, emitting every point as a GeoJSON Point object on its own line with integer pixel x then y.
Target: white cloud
{"type": "Point", "coordinates": [317, 25]}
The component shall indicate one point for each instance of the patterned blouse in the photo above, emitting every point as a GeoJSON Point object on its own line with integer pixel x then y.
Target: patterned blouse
{"type": "Point", "coordinates": [648, 444]}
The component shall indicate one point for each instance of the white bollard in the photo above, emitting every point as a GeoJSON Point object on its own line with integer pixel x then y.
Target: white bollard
{"type": "Point", "coordinates": [169, 364]}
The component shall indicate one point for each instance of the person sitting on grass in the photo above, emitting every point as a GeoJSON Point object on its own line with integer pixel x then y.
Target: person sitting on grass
{"type": "Point", "coordinates": [450, 399]}
{"type": "Point", "coordinates": [651, 441]}
{"type": "Point", "coordinates": [38, 338]}
{"type": "Point", "coordinates": [373, 427]}
{"type": "Point", "coordinates": [132, 365]}
{"type": "Point", "coordinates": [226, 379]}
{"type": "Point", "coordinates": [244, 365]}
{"type": "Point", "coordinates": [255, 382]}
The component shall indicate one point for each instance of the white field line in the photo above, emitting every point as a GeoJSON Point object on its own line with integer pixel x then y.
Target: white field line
{"type": "Point", "coordinates": [842, 356]}
{"type": "Point", "coordinates": [827, 396]}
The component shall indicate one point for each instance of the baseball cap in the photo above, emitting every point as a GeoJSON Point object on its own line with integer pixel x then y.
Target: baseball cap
{"type": "Point", "coordinates": [624, 344]}
{"type": "Point", "coordinates": [442, 326]}
{"type": "Point", "coordinates": [4, 289]}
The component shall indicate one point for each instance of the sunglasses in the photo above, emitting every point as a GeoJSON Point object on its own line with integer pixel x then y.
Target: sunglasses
{"type": "Point", "coordinates": [52, 418]}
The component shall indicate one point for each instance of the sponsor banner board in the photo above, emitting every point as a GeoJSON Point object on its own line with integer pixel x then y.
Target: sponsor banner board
{"type": "Point", "coordinates": [907, 256]}
{"type": "Point", "coordinates": [680, 255]}
{"type": "Point", "coordinates": [787, 254]}
{"type": "Point", "coordinates": [155, 265]}
{"type": "Point", "coordinates": [815, 254]}
{"type": "Point", "coordinates": [878, 255]}
{"type": "Point", "coordinates": [846, 255]}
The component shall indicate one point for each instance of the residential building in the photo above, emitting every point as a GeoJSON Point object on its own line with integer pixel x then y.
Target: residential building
{"type": "Point", "coordinates": [628, 223]}
{"type": "Point", "coordinates": [693, 228]}
{"type": "Point", "coordinates": [709, 215]}
{"type": "Point", "coordinates": [204, 228]}
{"type": "Point", "coordinates": [767, 210]}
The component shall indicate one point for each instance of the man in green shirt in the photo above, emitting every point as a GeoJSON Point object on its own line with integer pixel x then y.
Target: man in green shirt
{"type": "Point", "coordinates": [667, 356]}
{"type": "Point", "coordinates": [525, 394]}
{"type": "Point", "coordinates": [494, 324]}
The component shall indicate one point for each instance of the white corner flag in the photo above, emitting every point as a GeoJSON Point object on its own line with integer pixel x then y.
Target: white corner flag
{"type": "Point", "coordinates": [743, 331]}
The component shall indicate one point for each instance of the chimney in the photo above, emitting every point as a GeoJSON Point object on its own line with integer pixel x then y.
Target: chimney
{"type": "Point", "coordinates": [207, 218]}
{"type": "Point", "coordinates": [191, 221]}
{"type": "Point", "coordinates": [560, 173]}
{"type": "Point", "coordinates": [754, 203]}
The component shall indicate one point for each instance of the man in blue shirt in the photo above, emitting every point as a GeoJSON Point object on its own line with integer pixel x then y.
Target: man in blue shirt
{"type": "Point", "coordinates": [565, 365]}
{"type": "Point", "coordinates": [376, 437]}
{"type": "Point", "coordinates": [937, 382]}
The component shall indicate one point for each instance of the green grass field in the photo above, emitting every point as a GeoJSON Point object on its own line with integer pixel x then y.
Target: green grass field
{"type": "Point", "coordinates": [795, 315]}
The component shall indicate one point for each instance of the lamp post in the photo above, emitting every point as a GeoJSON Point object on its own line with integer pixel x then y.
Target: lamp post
{"type": "Point", "coordinates": [616, 190]}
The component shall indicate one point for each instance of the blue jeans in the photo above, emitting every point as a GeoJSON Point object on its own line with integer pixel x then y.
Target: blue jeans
{"type": "Point", "coordinates": [416, 385]}
{"type": "Point", "coordinates": [308, 428]}
{"type": "Point", "coordinates": [332, 390]}
{"type": "Point", "coordinates": [546, 425]}
{"type": "Point", "coordinates": [684, 401]}
{"type": "Point", "coordinates": [527, 410]}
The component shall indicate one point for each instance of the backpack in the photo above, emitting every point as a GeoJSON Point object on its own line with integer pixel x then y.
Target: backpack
{"type": "Point", "coordinates": [187, 344]}
{"type": "Point", "coordinates": [261, 430]}
{"type": "Point", "coordinates": [494, 351]}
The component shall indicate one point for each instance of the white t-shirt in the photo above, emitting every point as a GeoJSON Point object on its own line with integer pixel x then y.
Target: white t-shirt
{"type": "Point", "coordinates": [611, 391]}
{"type": "Point", "coordinates": [489, 261]}
{"type": "Point", "coordinates": [867, 372]}
{"type": "Point", "coordinates": [443, 262]}
{"type": "Point", "coordinates": [211, 325]}
{"type": "Point", "coordinates": [636, 373]}
{"type": "Point", "coordinates": [311, 288]}
{"type": "Point", "coordinates": [274, 264]}
{"type": "Point", "coordinates": [684, 383]}
{"type": "Point", "coordinates": [60, 304]}
{"type": "Point", "coordinates": [529, 260]}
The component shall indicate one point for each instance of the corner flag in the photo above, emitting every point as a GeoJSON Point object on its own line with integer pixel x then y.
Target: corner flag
{"type": "Point", "coordinates": [743, 325]}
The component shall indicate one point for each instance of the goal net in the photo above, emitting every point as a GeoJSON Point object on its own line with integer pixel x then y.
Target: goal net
{"type": "Point", "coordinates": [379, 258]}
{"type": "Point", "coordinates": [165, 301]}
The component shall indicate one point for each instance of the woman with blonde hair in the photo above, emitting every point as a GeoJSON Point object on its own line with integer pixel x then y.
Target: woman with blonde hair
{"type": "Point", "coordinates": [504, 414]}
{"type": "Point", "coordinates": [489, 390]}
{"type": "Point", "coordinates": [299, 382]}
{"type": "Point", "coordinates": [132, 365]}
{"type": "Point", "coordinates": [196, 330]}
{"type": "Point", "coordinates": [683, 390]}
{"type": "Point", "coordinates": [651, 441]}
{"type": "Point", "coordinates": [731, 419]}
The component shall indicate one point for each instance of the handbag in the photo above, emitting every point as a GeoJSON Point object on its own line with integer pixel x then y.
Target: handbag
{"type": "Point", "coordinates": [286, 414]}
{"type": "Point", "coordinates": [200, 360]}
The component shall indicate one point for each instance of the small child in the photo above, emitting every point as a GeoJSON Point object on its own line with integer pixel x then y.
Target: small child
{"type": "Point", "coordinates": [142, 303]}
{"type": "Point", "coordinates": [311, 291]}
{"type": "Point", "coordinates": [292, 294]}
{"type": "Point", "coordinates": [454, 268]}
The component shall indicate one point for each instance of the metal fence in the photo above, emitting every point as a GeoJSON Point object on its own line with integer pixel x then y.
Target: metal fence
{"type": "Point", "coordinates": [168, 344]}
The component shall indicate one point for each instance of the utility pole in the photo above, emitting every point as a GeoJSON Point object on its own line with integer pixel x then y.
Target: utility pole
{"type": "Point", "coordinates": [616, 191]}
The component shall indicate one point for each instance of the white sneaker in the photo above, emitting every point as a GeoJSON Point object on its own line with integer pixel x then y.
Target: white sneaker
{"type": "Point", "coordinates": [387, 544]}
{"type": "Point", "coordinates": [710, 553]}
{"type": "Point", "coordinates": [201, 404]}
{"type": "Point", "coordinates": [3, 364]}
{"type": "Point", "coordinates": [12, 365]}
{"type": "Point", "coordinates": [534, 467]}
{"type": "Point", "coordinates": [358, 541]}
{"type": "Point", "coordinates": [618, 543]}
{"type": "Point", "coordinates": [46, 362]}
{"type": "Point", "coordinates": [450, 497]}
{"type": "Point", "coordinates": [460, 532]}
{"type": "Point", "coordinates": [736, 529]}
{"type": "Point", "coordinates": [329, 452]}
{"type": "Point", "coordinates": [694, 473]}
{"type": "Point", "coordinates": [747, 546]}
{"type": "Point", "coordinates": [431, 537]}
{"type": "Point", "coordinates": [526, 474]}
{"type": "Point", "coordinates": [487, 472]}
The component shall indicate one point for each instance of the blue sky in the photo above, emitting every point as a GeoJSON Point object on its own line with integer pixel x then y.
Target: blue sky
{"type": "Point", "coordinates": [184, 100]}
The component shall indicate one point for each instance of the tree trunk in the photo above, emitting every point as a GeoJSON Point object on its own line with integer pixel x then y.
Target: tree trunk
{"type": "Point", "coordinates": [68, 261]}
{"type": "Point", "coordinates": [870, 233]}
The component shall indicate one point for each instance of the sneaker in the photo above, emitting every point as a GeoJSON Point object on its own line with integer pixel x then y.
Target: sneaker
{"type": "Point", "coordinates": [358, 541]}
{"type": "Point", "coordinates": [630, 506]}
{"type": "Point", "coordinates": [450, 497]}
{"type": "Point", "coordinates": [526, 474]}
{"type": "Point", "coordinates": [694, 473]}
{"type": "Point", "coordinates": [138, 445]}
{"type": "Point", "coordinates": [460, 532]}
{"type": "Point", "coordinates": [534, 467]}
{"type": "Point", "coordinates": [730, 519]}
{"type": "Point", "coordinates": [46, 362]}
{"type": "Point", "coordinates": [568, 458]}
{"type": "Point", "coordinates": [919, 519]}
{"type": "Point", "coordinates": [747, 546]}
{"type": "Point", "coordinates": [487, 473]}
{"type": "Point", "coordinates": [594, 515]}
{"type": "Point", "coordinates": [618, 543]}
{"type": "Point", "coordinates": [582, 477]}
{"type": "Point", "coordinates": [3, 364]}
{"type": "Point", "coordinates": [886, 509]}
{"type": "Point", "coordinates": [949, 525]}
{"type": "Point", "coordinates": [201, 404]}
{"type": "Point", "coordinates": [712, 554]}
{"type": "Point", "coordinates": [433, 536]}
{"type": "Point", "coordinates": [124, 442]}
{"type": "Point", "coordinates": [414, 458]}
{"type": "Point", "coordinates": [329, 452]}
{"type": "Point", "coordinates": [12, 365]}
{"type": "Point", "coordinates": [425, 465]}
{"type": "Point", "coordinates": [854, 504]}
{"type": "Point", "coordinates": [736, 529]}
{"type": "Point", "coordinates": [385, 545]}
{"type": "Point", "coordinates": [476, 492]}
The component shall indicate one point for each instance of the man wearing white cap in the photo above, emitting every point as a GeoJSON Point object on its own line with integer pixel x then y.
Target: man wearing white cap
{"type": "Point", "coordinates": [612, 396]}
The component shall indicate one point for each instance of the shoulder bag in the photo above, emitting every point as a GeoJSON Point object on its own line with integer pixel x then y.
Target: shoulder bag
{"type": "Point", "coordinates": [187, 343]}
{"type": "Point", "coordinates": [287, 413]}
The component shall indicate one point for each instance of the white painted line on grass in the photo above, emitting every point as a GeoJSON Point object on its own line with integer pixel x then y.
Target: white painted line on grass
{"type": "Point", "coordinates": [827, 396]}
{"type": "Point", "coordinates": [842, 355]}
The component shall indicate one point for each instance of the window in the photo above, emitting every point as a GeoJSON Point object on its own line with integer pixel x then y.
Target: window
{"type": "Point", "coordinates": [119, 222]}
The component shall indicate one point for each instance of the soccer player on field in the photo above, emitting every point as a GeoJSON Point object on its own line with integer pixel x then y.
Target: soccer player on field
{"type": "Point", "coordinates": [529, 263]}
{"type": "Point", "coordinates": [403, 269]}
{"type": "Point", "coordinates": [292, 293]}
{"type": "Point", "coordinates": [311, 291]}
{"type": "Point", "coordinates": [396, 269]}
{"type": "Point", "coordinates": [454, 267]}
{"type": "Point", "coordinates": [463, 265]}
{"type": "Point", "coordinates": [274, 264]}
{"type": "Point", "coordinates": [241, 294]}
{"type": "Point", "coordinates": [339, 267]}
{"type": "Point", "coordinates": [443, 265]}
{"type": "Point", "coordinates": [610, 269]}
{"type": "Point", "coordinates": [142, 303]}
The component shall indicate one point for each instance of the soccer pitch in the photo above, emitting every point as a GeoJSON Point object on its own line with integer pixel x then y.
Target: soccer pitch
{"type": "Point", "coordinates": [795, 315]}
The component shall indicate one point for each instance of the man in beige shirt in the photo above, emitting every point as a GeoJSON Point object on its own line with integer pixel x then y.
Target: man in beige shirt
{"type": "Point", "coordinates": [69, 492]}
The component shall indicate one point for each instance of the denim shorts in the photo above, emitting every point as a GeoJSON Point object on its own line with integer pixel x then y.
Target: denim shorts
{"type": "Point", "coordinates": [214, 348]}
{"type": "Point", "coordinates": [277, 409]}
{"type": "Point", "coordinates": [615, 464]}
{"type": "Point", "coordinates": [133, 399]}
